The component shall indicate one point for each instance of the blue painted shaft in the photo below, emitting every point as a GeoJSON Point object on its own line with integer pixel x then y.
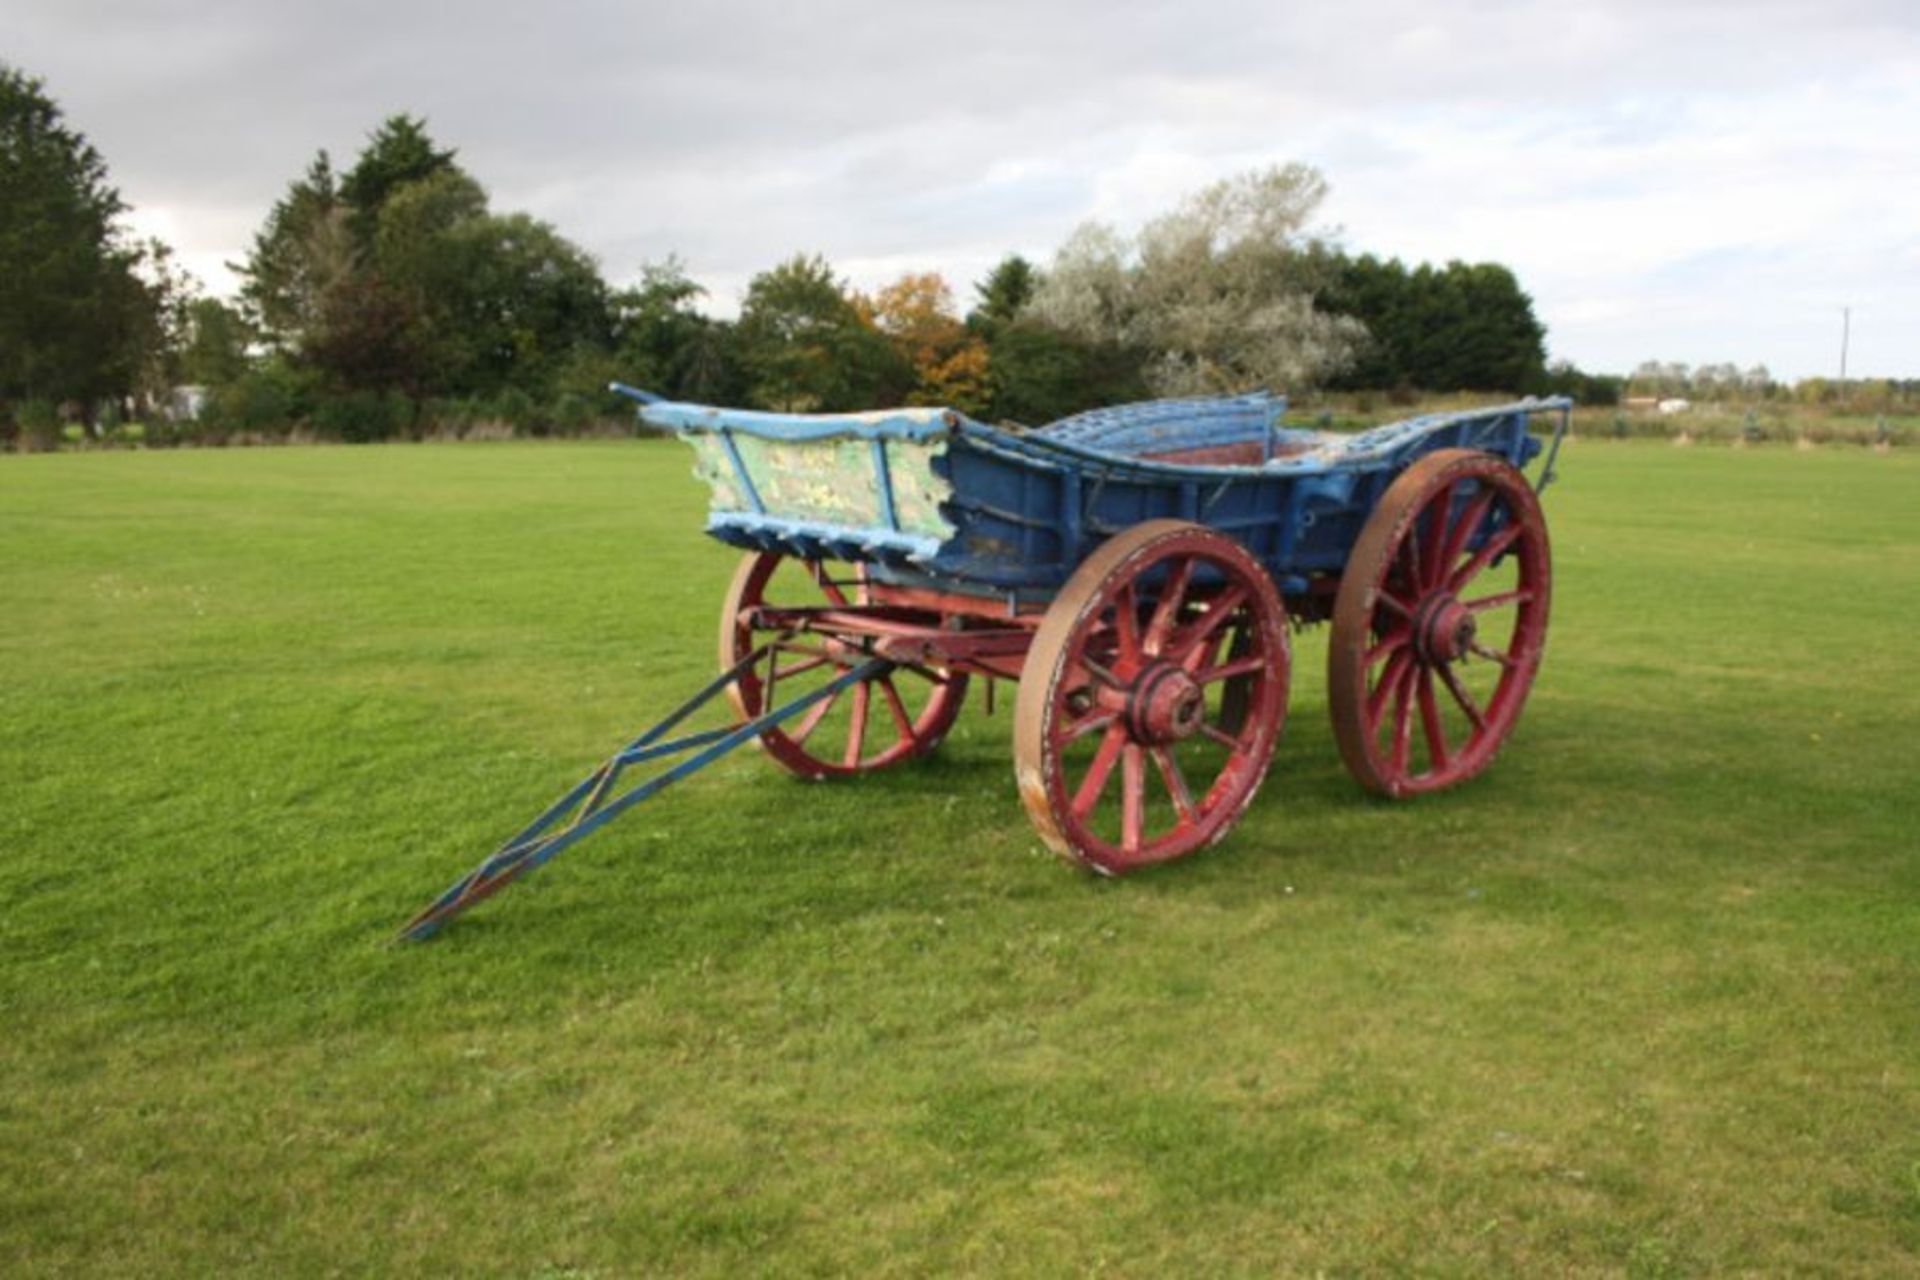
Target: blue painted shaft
{"type": "Point", "coordinates": [530, 849]}
{"type": "Point", "coordinates": [638, 755]}
{"type": "Point", "coordinates": [566, 803]}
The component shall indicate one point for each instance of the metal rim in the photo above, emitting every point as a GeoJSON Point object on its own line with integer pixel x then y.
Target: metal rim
{"type": "Point", "coordinates": [1121, 745]}
{"type": "Point", "coordinates": [881, 722]}
{"type": "Point", "coordinates": [1441, 619]}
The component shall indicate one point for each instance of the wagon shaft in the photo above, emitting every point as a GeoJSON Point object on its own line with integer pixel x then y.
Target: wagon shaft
{"type": "Point", "coordinates": [594, 801]}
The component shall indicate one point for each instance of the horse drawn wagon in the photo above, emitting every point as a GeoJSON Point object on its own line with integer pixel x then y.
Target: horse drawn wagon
{"type": "Point", "coordinates": [1136, 570]}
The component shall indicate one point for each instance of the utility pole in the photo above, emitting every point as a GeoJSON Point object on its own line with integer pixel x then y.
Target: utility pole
{"type": "Point", "coordinates": [1846, 326]}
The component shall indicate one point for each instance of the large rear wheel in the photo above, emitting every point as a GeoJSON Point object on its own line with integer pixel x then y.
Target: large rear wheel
{"type": "Point", "coordinates": [1440, 623]}
{"type": "Point", "coordinates": [1125, 748]}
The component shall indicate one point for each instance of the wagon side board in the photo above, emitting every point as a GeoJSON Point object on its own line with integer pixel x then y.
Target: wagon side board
{"type": "Point", "coordinates": [932, 498]}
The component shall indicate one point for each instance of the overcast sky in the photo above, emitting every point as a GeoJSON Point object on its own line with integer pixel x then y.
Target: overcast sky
{"type": "Point", "coordinates": [1700, 182]}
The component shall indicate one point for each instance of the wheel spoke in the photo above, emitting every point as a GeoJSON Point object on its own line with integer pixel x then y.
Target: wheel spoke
{"type": "Point", "coordinates": [1101, 674]}
{"type": "Point", "coordinates": [1410, 544]}
{"type": "Point", "coordinates": [1462, 532]}
{"type": "Point", "coordinates": [1226, 670]}
{"type": "Point", "coordinates": [1461, 696]}
{"type": "Point", "coordinates": [1491, 655]}
{"type": "Point", "coordinates": [1431, 556]}
{"type": "Point", "coordinates": [1190, 645]}
{"type": "Point", "coordinates": [1488, 552]}
{"type": "Point", "coordinates": [1220, 736]}
{"type": "Point", "coordinates": [1084, 726]}
{"type": "Point", "coordinates": [1437, 755]}
{"type": "Point", "coordinates": [1133, 798]}
{"type": "Point", "coordinates": [1393, 604]}
{"type": "Point", "coordinates": [1403, 719]}
{"type": "Point", "coordinates": [1397, 666]}
{"type": "Point", "coordinates": [901, 720]}
{"type": "Point", "coordinates": [1227, 646]}
{"type": "Point", "coordinates": [1172, 596]}
{"type": "Point", "coordinates": [1500, 601]}
{"type": "Point", "coordinates": [811, 721]}
{"type": "Point", "coordinates": [1398, 640]}
{"type": "Point", "coordinates": [857, 723]}
{"type": "Point", "coordinates": [1176, 783]}
{"type": "Point", "coordinates": [1088, 793]}
{"type": "Point", "coordinates": [1126, 626]}
{"type": "Point", "coordinates": [779, 672]}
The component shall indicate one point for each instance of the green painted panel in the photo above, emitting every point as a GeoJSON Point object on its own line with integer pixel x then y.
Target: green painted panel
{"type": "Point", "coordinates": [917, 491]}
{"type": "Point", "coordinates": [829, 481]}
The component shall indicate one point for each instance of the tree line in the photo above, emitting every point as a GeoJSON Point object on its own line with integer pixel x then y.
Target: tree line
{"type": "Point", "coordinates": [390, 299]}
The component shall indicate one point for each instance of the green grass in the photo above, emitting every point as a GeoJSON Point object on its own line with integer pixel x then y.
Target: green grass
{"type": "Point", "coordinates": [1642, 1000]}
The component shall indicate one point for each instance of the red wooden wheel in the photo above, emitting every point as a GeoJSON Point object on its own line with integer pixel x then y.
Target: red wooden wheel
{"type": "Point", "coordinates": [869, 726]}
{"type": "Point", "coordinates": [1440, 623]}
{"type": "Point", "coordinates": [1124, 752]}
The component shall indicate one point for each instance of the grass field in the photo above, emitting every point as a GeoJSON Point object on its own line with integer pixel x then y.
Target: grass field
{"type": "Point", "coordinates": [1644, 1000]}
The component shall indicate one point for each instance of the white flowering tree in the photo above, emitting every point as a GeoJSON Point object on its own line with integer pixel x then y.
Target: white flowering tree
{"type": "Point", "coordinates": [1218, 293]}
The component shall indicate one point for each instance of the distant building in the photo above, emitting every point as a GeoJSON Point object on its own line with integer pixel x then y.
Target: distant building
{"type": "Point", "coordinates": [185, 404]}
{"type": "Point", "coordinates": [1674, 404]}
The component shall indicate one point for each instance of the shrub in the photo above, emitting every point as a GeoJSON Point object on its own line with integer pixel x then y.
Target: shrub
{"type": "Point", "coordinates": [160, 432]}
{"type": "Point", "coordinates": [444, 418]}
{"type": "Point", "coordinates": [362, 417]}
{"type": "Point", "coordinates": [571, 414]}
{"type": "Point", "coordinates": [39, 422]}
{"type": "Point", "coordinates": [257, 401]}
{"type": "Point", "coordinates": [516, 408]}
{"type": "Point", "coordinates": [403, 416]}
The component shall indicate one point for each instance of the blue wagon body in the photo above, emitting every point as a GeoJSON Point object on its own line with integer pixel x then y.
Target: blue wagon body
{"type": "Point", "coordinates": [1019, 510]}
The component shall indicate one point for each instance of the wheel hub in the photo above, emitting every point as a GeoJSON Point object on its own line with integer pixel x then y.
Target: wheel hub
{"type": "Point", "coordinates": [1164, 705]}
{"type": "Point", "coordinates": [1444, 629]}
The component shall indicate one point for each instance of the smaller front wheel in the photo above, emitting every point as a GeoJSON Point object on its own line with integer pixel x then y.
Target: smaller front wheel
{"type": "Point", "coordinates": [872, 725]}
{"type": "Point", "coordinates": [1127, 746]}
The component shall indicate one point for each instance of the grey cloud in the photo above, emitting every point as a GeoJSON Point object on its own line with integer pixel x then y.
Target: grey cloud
{"type": "Point", "coordinates": [946, 133]}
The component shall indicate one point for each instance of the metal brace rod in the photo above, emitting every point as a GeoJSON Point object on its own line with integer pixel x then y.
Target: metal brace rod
{"type": "Point", "coordinates": [588, 802]}
{"type": "Point", "coordinates": [1547, 473]}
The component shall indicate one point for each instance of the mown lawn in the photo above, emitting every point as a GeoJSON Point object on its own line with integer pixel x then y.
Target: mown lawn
{"type": "Point", "coordinates": [1643, 1000]}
